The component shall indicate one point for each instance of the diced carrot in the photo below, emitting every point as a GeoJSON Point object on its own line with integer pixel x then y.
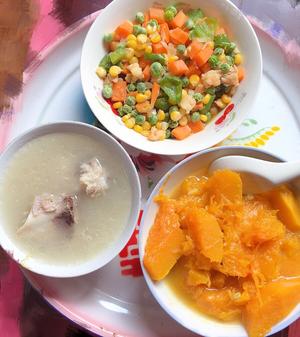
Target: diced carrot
{"type": "Point", "coordinates": [178, 68]}
{"type": "Point", "coordinates": [158, 48]}
{"type": "Point", "coordinates": [132, 93]}
{"type": "Point", "coordinates": [154, 93]}
{"type": "Point", "coordinates": [119, 91]}
{"type": "Point", "coordinates": [178, 36]}
{"type": "Point", "coordinates": [146, 19]}
{"type": "Point", "coordinates": [193, 69]}
{"type": "Point", "coordinates": [179, 20]}
{"type": "Point", "coordinates": [123, 30]}
{"type": "Point", "coordinates": [205, 68]}
{"type": "Point", "coordinates": [220, 30]}
{"type": "Point", "coordinates": [157, 14]}
{"type": "Point", "coordinates": [143, 63]}
{"type": "Point", "coordinates": [165, 32]}
{"type": "Point", "coordinates": [194, 48]}
{"type": "Point", "coordinates": [198, 106]}
{"type": "Point", "coordinates": [204, 54]}
{"type": "Point", "coordinates": [241, 73]}
{"type": "Point", "coordinates": [196, 127]}
{"type": "Point", "coordinates": [181, 132]}
{"type": "Point", "coordinates": [146, 73]}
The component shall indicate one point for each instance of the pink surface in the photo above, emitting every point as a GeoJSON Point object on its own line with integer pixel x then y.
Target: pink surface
{"type": "Point", "coordinates": [11, 278]}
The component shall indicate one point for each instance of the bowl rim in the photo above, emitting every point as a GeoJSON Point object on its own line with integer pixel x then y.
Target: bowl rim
{"type": "Point", "coordinates": [101, 258]}
{"type": "Point", "coordinates": [169, 150]}
{"type": "Point", "coordinates": [289, 319]}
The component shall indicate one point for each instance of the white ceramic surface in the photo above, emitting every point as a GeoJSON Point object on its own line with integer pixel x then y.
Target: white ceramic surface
{"type": "Point", "coordinates": [177, 309]}
{"type": "Point", "coordinates": [111, 301]}
{"type": "Point", "coordinates": [103, 256]}
{"type": "Point", "coordinates": [238, 28]}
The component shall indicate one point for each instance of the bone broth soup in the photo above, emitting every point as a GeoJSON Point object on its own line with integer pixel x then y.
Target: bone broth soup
{"type": "Point", "coordinates": [64, 197]}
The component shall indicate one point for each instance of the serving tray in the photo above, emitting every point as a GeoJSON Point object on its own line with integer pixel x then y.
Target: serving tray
{"type": "Point", "coordinates": [115, 300]}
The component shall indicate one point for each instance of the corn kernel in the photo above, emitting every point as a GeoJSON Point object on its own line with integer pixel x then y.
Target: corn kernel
{"type": "Point", "coordinates": [138, 53]}
{"type": "Point", "coordinates": [150, 29]}
{"type": "Point", "coordinates": [226, 99]}
{"type": "Point", "coordinates": [114, 71]}
{"type": "Point", "coordinates": [142, 38]}
{"type": "Point", "coordinates": [148, 49]}
{"type": "Point", "coordinates": [206, 98]}
{"type": "Point", "coordinates": [148, 93]}
{"type": "Point", "coordinates": [132, 44]}
{"type": "Point", "coordinates": [183, 121]}
{"type": "Point", "coordinates": [145, 133]}
{"type": "Point", "coordinates": [172, 58]}
{"type": "Point", "coordinates": [101, 72]}
{"type": "Point", "coordinates": [131, 37]}
{"type": "Point", "coordinates": [164, 126]}
{"type": "Point", "coordinates": [175, 115]}
{"type": "Point", "coordinates": [203, 118]}
{"type": "Point", "coordinates": [155, 38]}
{"type": "Point", "coordinates": [222, 57]}
{"type": "Point", "coordinates": [238, 59]}
{"type": "Point", "coordinates": [146, 126]}
{"type": "Point", "coordinates": [158, 125]}
{"type": "Point", "coordinates": [161, 115]}
{"type": "Point", "coordinates": [140, 98]}
{"type": "Point", "coordinates": [130, 123]}
{"type": "Point", "coordinates": [141, 46]}
{"type": "Point", "coordinates": [162, 136]}
{"type": "Point", "coordinates": [184, 93]}
{"type": "Point", "coordinates": [211, 44]}
{"type": "Point", "coordinates": [138, 128]}
{"type": "Point", "coordinates": [117, 105]}
{"type": "Point", "coordinates": [129, 53]}
{"type": "Point", "coordinates": [133, 60]}
{"type": "Point", "coordinates": [194, 80]}
{"type": "Point", "coordinates": [126, 117]}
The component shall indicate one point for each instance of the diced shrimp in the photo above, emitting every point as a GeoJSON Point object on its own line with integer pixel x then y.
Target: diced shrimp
{"type": "Point", "coordinates": [156, 134]}
{"type": "Point", "coordinates": [136, 71]}
{"type": "Point", "coordinates": [212, 78]}
{"type": "Point", "coordinates": [187, 103]}
{"type": "Point", "coordinates": [231, 78]}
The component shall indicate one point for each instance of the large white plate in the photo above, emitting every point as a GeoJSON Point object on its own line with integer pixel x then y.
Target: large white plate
{"type": "Point", "coordinates": [115, 301]}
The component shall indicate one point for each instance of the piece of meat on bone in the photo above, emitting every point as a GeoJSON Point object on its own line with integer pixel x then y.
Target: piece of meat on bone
{"type": "Point", "coordinates": [93, 179]}
{"type": "Point", "coordinates": [49, 208]}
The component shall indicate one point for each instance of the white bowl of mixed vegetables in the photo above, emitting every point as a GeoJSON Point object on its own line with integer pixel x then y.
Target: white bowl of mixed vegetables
{"type": "Point", "coordinates": [171, 78]}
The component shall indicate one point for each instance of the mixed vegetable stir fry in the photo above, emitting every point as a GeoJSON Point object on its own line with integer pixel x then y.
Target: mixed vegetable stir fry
{"type": "Point", "coordinates": [169, 71]}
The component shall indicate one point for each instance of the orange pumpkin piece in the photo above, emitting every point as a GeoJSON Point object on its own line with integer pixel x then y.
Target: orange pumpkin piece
{"type": "Point", "coordinates": [226, 184]}
{"type": "Point", "coordinates": [206, 233]}
{"type": "Point", "coordinates": [284, 200]}
{"type": "Point", "coordinates": [278, 298]}
{"type": "Point", "coordinates": [163, 247]}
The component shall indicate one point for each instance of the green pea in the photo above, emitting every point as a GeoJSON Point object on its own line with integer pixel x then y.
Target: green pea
{"type": "Point", "coordinates": [139, 30]}
{"type": "Point", "coordinates": [168, 133]}
{"type": "Point", "coordinates": [214, 61]}
{"type": "Point", "coordinates": [195, 117]}
{"type": "Point", "coordinates": [173, 108]}
{"type": "Point", "coordinates": [156, 69]}
{"type": "Point", "coordinates": [131, 87]}
{"type": "Point", "coordinates": [121, 112]}
{"type": "Point", "coordinates": [173, 124]}
{"type": "Point", "coordinates": [169, 15]}
{"type": "Point", "coordinates": [107, 38]}
{"type": "Point", "coordinates": [172, 8]}
{"type": "Point", "coordinates": [167, 116]}
{"type": "Point", "coordinates": [189, 23]}
{"type": "Point", "coordinates": [141, 87]}
{"type": "Point", "coordinates": [230, 60]}
{"type": "Point", "coordinates": [139, 17]}
{"type": "Point", "coordinates": [130, 100]}
{"type": "Point", "coordinates": [153, 23]}
{"type": "Point", "coordinates": [152, 119]}
{"type": "Point", "coordinates": [225, 68]}
{"type": "Point", "coordinates": [198, 97]}
{"type": "Point", "coordinates": [185, 82]}
{"type": "Point", "coordinates": [107, 91]}
{"type": "Point", "coordinates": [140, 119]}
{"type": "Point", "coordinates": [162, 103]}
{"type": "Point", "coordinates": [134, 113]}
{"type": "Point", "coordinates": [218, 51]}
{"type": "Point", "coordinates": [230, 48]}
{"type": "Point", "coordinates": [127, 109]}
{"type": "Point", "coordinates": [181, 49]}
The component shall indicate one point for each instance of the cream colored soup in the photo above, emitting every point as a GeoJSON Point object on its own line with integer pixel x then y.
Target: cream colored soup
{"type": "Point", "coordinates": [50, 164]}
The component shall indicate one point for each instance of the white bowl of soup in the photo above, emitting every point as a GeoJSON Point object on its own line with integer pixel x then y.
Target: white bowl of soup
{"type": "Point", "coordinates": [69, 199]}
{"type": "Point", "coordinates": [195, 282]}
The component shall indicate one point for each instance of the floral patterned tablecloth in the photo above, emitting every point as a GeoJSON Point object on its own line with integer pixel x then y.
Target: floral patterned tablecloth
{"type": "Point", "coordinates": [23, 312]}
